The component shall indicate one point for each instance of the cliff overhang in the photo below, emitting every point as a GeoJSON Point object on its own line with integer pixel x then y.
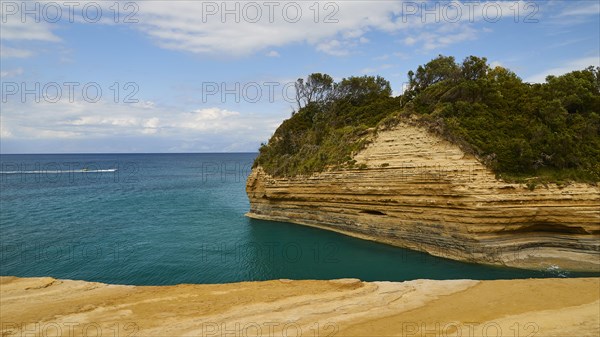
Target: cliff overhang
{"type": "Point", "coordinates": [412, 188]}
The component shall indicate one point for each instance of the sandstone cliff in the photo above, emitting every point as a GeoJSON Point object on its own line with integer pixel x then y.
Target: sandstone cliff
{"type": "Point", "coordinates": [537, 307]}
{"type": "Point", "coordinates": [419, 191]}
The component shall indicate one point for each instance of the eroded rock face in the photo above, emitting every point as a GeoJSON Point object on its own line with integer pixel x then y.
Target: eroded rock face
{"type": "Point", "coordinates": [536, 307]}
{"type": "Point", "coordinates": [424, 193]}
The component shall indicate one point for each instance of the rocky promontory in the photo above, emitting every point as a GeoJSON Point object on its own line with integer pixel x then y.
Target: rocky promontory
{"type": "Point", "coordinates": [412, 188]}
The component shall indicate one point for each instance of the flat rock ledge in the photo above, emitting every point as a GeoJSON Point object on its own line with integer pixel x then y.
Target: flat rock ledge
{"type": "Point", "coordinates": [534, 307]}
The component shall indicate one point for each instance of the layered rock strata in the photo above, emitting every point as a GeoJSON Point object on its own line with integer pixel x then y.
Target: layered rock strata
{"type": "Point", "coordinates": [537, 307]}
{"type": "Point", "coordinates": [414, 189]}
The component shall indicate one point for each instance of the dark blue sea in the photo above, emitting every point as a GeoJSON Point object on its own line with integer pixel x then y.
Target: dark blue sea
{"type": "Point", "coordinates": [155, 219]}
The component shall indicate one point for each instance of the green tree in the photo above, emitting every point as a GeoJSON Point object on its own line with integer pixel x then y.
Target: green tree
{"type": "Point", "coordinates": [360, 90]}
{"type": "Point", "coordinates": [316, 89]}
{"type": "Point", "coordinates": [549, 130]}
{"type": "Point", "coordinates": [439, 69]}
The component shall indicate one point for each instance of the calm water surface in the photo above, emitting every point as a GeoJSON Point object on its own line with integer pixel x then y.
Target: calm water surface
{"type": "Point", "coordinates": [154, 219]}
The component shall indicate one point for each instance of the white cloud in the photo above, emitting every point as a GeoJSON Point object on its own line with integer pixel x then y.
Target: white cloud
{"type": "Point", "coordinates": [214, 113]}
{"type": "Point", "coordinates": [4, 132]}
{"type": "Point", "coordinates": [151, 126]}
{"type": "Point", "coordinates": [8, 52]}
{"type": "Point", "coordinates": [337, 28]}
{"type": "Point", "coordinates": [409, 40]}
{"type": "Point", "coordinates": [333, 47]}
{"type": "Point", "coordinates": [572, 65]}
{"type": "Point", "coordinates": [446, 36]}
{"type": "Point", "coordinates": [152, 123]}
{"type": "Point", "coordinates": [50, 134]}
{"type": "Point", "coordinates": [105, 120]}
{"type": "Point", "coordinates": [371, 70]}
{"type": "Point", "coordinates": [435, 25]}
{"type": "Point", "coordinates": [15, 28]}
{"type": "Point", "coordinates": [144, 104]}
{"type": "Point", "coordinates": [18, 30]}
{"type": "Point", "coordinates": [575, 9]}
{"type": "Point", "coordinates": [11, 72]}
{"type": "Point", "coordinates": [200, 27]}
{"type": "Point", "coordinates": [79, 121]}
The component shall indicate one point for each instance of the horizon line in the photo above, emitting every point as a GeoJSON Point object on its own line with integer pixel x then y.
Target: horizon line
{"type": "Point", "coordinates": [121, 153]}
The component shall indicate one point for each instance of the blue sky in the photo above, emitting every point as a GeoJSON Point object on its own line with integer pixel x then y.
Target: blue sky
{"type": "Point", "coordinates": [177, 59]}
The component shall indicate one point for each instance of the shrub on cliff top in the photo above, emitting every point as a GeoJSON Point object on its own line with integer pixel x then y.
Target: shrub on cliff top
{"type": "Point", "coordinates": [518, 129]}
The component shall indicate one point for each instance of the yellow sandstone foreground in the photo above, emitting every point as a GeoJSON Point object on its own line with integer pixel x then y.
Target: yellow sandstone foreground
{"type": "Point", "coordinates": [534, 307]}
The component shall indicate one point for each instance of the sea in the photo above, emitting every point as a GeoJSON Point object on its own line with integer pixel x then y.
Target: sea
{"type": "Point", "coordinates": [163, 219]}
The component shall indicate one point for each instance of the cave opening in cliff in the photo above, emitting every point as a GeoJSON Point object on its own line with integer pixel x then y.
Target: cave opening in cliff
{"type": "Point", "coordinates": [372, 212]}
{"type": "Point", "coordinates": [549, 228]}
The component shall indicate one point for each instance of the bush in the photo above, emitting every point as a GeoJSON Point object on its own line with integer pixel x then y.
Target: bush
{"type": "Point", "coordinates": [550, 131]}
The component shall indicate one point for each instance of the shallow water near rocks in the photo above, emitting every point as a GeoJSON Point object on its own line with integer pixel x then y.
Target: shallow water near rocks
{"type": "Point", "coordinates": [156, 219]}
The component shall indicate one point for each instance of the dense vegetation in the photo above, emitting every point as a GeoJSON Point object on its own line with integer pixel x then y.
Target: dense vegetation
{"type": "Point", "coordinates": [520, 130]}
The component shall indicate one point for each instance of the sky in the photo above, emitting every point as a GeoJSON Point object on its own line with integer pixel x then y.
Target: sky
{"type": "Point", "coordinates": [217, 76]}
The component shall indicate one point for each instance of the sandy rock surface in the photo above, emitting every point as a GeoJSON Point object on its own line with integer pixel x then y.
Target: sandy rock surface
{"type": "Point", "coordinates": [536, 307]}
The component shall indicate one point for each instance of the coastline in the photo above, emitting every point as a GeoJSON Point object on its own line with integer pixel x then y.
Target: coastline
{"type": "Point", "coordinates": [347, 307]}
{"type": "Point", "coordinates": [413, 189]}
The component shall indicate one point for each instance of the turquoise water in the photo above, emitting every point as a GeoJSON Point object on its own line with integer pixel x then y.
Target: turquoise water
{"type": "Point", "coordinates": [153, 219]}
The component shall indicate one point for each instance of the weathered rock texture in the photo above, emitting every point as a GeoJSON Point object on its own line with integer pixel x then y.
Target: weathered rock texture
{"type": "Point", "coordinates": [538, 307]}
{"type": "Point", "coordinates": [422, 192]}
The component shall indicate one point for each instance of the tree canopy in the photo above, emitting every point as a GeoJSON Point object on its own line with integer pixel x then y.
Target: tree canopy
{"type": "Point", "coordinates": [518, 129]}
